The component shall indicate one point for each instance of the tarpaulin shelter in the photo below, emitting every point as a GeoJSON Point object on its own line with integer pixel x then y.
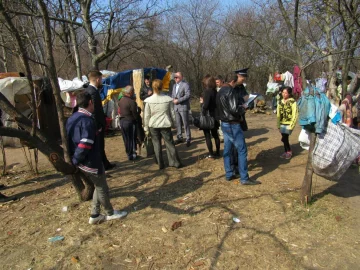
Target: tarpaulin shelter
{"type": "Point", "coordinates": [17, 90]}
{"type": "Point", "coordinates": [113, 85]}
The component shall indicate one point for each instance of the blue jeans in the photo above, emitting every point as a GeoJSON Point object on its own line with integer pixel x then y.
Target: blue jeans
{"type": "Point", "coordinates": [234, 136]}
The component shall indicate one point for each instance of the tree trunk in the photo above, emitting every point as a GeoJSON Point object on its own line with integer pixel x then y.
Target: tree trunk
{"type": "Point", "coordinates": [306, 186]}
{"type": "Point", "coordinates": [4, 54]}
{"type": "Point", "coordinates": [49, 148]}
{"type": "Point", "coordinates": [3, 155]}
{"type": "Point", "coordinates": [74, 42]}
{"type": "Point", "coordinates": [83, 186]}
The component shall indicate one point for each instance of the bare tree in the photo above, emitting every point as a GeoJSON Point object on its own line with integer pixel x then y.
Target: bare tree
{"type": "Point", "coordinates": [119, 25]}
{"type": "Point", "coordinates": [58, 156]}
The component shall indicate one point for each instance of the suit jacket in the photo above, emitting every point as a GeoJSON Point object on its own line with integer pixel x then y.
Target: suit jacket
{"type": "Point", "coordinates": [183, 97]}
{"type": "Point", "coordinates": [98, 108]}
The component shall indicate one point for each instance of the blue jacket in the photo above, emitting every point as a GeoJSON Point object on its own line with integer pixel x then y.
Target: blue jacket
{"type": "Point", "coordinates": [314, 108]}
{"type": "Point", "coordinates": [84, 142]}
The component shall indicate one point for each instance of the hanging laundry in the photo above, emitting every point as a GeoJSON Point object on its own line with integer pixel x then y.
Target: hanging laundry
{"type": "Point", "coordinates": [314, 108]}
{"type": "Point", "coordinates": [277, 77]}
{"type": "Point", "coordinates": [321, 84]}
{"type": "Point", "coordinates": [288, 79]}
{"type": "Point", "coordinates": [297, 80]}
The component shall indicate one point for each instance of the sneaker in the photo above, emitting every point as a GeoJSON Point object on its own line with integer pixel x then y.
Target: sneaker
{"type": "Point", "coordinates": [288, 155]}
{"type": "Point", "coordinates": [250, 182]}
{"type": "Point", "coordinates": [283, 155]}
{"type": "Point", "coordinates": [97, 220]}
{"type": "Point", "coordinates": [117, 215]}
{"type": "Point", "coordinates": [211, 157]}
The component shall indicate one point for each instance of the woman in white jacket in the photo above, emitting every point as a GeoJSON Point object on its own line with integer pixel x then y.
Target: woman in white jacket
{"type": "Point", "coordinates": [159, 118]}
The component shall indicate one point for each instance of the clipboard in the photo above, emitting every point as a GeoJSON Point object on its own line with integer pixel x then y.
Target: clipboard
{"type": "Point", "coordinates": [252, 97]}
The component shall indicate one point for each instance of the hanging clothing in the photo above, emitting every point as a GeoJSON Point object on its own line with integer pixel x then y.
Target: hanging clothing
{"type": "Point", "coordinates": [288, 79]}
{"type": "Point", "coordinates": [297, 80]}
{"type": "Point", "coordinates": [346, 111]}
{"type": "Point", "coordinates": [314, 108]}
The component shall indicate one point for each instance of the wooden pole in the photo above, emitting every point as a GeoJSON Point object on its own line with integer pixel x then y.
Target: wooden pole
{"type": "Point", "coordinates": [305, 196]}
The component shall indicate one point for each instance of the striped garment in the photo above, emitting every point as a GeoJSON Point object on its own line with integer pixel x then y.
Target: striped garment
{"type": "Point", "coordinates": [83, 142]}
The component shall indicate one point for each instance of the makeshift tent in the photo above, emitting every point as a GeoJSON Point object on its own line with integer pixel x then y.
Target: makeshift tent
{"type": "Point", "coordinates": [17, 91]}
{"type": "Point", "coordinates": [113, 86]}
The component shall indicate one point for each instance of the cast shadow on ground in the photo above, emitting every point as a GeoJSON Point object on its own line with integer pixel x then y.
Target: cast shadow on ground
{"type": "Point", "coordinates": [346, 187]}
{"type": "Point", "coordinates": [260, 140]}
{"type": "Point", "coordinates": [255, 132]}
{"type": "Point", "coordinates": [167, 192]}
{"type": "Point", "coordinates": [60, 182]}
{"type": "Point", "coordinates": [269, 160]}
{"type": "Point", "coordinates": [43, 178]}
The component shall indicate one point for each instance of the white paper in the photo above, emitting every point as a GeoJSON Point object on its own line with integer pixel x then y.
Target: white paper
{"type": "Point", "coordinates": [251, 98]}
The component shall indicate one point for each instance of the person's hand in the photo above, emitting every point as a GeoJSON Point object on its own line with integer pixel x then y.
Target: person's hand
{"type": "Point", "coordinates": [245, 106]}
{"type": "Point", "coordinates": [147, 133]}
{"type": "Point", "coordinates": [149, 92]}
{"type": "Point", "coordinates": [201, 100]}
{"type": "Point", "coordinates": [175, 101]}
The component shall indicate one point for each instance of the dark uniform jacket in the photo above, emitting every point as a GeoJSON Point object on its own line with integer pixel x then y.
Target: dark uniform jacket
{"type": "Point", "coordinates": [228, 105]}
{"type": "Point", "coordinates": [98, 108]}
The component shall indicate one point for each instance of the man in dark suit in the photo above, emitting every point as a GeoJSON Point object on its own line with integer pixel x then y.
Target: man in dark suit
{"type": "Point", "coordinates": [181, 99]}
{"type": "Point", "coordinates": [95, 79]}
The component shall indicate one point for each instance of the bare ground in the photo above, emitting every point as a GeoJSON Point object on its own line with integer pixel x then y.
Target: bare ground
{"type": "Point", "coordinates": [275, 230]}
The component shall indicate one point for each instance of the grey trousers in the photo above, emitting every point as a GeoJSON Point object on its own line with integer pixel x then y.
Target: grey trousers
{"type": "Point", "coordinates": [173, 157]}
{"type": "Point", "coordinates": [182, 118]}
{"type": "Point", "coordinates": [101, 194]}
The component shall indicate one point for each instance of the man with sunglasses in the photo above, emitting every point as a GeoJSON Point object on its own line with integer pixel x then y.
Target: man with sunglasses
{"type": "Point", "coordinates": [181, 99]}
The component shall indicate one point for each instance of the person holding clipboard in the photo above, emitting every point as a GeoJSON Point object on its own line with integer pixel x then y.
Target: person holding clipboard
{"type": "Point", "coordinates": [230, 110]}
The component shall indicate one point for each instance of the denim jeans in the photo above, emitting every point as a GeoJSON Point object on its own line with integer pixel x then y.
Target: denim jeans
{"type": "Point", "coordinates": [234, 136]}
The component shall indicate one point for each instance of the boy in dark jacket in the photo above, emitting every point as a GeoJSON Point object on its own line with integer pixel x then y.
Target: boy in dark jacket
{"type": "Point", "coordinates": [83, 140]}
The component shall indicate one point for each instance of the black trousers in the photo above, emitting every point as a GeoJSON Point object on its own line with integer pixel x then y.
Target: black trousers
{"type": "Point", "coordinates": [102, 148]}
{"type": "Point", "coordinates": [128, 130]}
{"type": "Point", "coordinates": [212, 132]}
{"type": "Point", "coordinates": [285, 140]}
{"type": "Point", "coordinates": [173, 157]}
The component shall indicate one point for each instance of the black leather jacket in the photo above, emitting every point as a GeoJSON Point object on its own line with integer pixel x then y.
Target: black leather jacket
{"type": "Point", "coordinates": [228, 105]}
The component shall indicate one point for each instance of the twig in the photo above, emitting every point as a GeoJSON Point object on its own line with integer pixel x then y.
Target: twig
{"type": "Point", "coordinates": [27, 159]}
{"type": "Point", "coordinates": [3, 154]}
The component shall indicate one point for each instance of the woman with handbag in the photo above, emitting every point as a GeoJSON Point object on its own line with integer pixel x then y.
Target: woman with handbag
{"type": "Point", "coordinates": [159, 117]}
{"type": "Point", "coordinates": [208, 107]}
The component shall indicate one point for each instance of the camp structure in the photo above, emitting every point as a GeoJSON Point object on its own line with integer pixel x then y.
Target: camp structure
{"type": "Point", "coordinates": [113, 86]}
{"type": "Point", "coordinates": [18, 92]}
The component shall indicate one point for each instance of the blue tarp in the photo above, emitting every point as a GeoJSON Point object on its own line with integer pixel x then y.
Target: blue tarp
{"type": "Point", "coordinates": [124, 78]}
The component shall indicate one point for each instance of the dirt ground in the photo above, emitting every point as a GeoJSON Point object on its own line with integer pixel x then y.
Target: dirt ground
{"type": "Point", "coordinates": [275, 231]}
